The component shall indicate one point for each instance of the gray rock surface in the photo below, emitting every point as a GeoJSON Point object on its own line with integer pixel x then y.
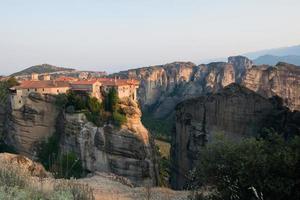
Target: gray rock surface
{"type": "Point", "coordinates": [126, 151]}
{"type": "Point", "coordinates": [163, 86]}
{"type": "Point", "coordinates": [235, 111]}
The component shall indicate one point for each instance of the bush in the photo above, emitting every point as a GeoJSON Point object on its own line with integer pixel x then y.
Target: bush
{"type": "Point", "coordinates": [266, 169]}
{"type": "Point", "coordinates": [69, 165]}
{"type": "Point", "coordinates": [62, 166]}
{"type": "Point", "coordinates": [111, 100]}
{"type": "Point", "coordinates": [163, 168]}
{"type": "Point", "coordinates": [119, 119]}
{"type": "Point", "coordinates": [48, 151]}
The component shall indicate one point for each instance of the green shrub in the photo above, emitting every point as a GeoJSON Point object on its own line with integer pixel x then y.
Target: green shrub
{"type": "Point", "coordinates": [266, 169]}
{"type": "Point", "coordinates": [69, 165]}
{"type": "Point", "coordinates": [119, 118]}
{"type": "Point", "coordinates": [94, 105]}
{"type": "Point", "coordinates": [48, 151]}
{"type": "Point", "coordinates": [111, 100]}
{"type": "Point", "coordinates": [163, 168]}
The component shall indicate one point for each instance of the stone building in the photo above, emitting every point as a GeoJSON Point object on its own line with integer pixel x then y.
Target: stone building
{"type": "Point", "coordinates": [20, 93]}
{"type": "Point", "coordinates": [124, 87]}
{"type": "Point", "coordinates": [93, 87]}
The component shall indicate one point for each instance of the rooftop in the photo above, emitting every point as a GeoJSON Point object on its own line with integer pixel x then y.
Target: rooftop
{"type": "Point", "coordinates": [84, 82]}
{"type": "Point", "coordinates": [42, 84]}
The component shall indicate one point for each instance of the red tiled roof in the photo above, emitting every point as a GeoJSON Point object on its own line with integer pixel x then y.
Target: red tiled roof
{"type": "Point", "coordinates": [84, 82]}
{"type": "Point", "coordinates": [42, 84]}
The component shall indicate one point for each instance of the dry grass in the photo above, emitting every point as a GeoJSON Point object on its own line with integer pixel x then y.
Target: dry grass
{"type": "Point", "coordinates": [164, 148]}
{"type": "Point", "coordinates": [16, 183]}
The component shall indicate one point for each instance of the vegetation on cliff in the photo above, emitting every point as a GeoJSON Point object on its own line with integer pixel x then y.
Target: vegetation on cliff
{"type": "Point", "coordinates": [265, 169]}
{"type": "Point", "coordinates": [61, 165]}
{"type": "Point", "coordinates": [96, 111]}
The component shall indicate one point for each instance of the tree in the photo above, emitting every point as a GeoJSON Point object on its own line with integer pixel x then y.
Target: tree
{"type": "Point", "coordinates": [266, 169]}
{"type": "Point", "coordinates": [12, 81]}
{"type": "Point", "coordinates": [112, 100]}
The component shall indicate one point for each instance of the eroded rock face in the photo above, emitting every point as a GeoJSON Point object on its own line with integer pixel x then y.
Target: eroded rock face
{"type": "Point", "coordinates": [282, 80]}
{"type": "Point", "coordinates": [234, 111]}
{"type": "Point", "coordinates": [125, 151]}
{"type": "Point", "coordinates": [34, 122]}
{"type": "Point", "coordinates": [162, 87]}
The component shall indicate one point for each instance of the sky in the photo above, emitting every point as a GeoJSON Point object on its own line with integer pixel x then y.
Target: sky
{"type": "Point", "coordinates": [114, 35]}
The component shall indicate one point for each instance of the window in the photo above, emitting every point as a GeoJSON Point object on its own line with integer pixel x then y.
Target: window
{"type": "Point", "coordinates": [20, 101]}
{"type": "Point", "coordinates": [35, 89]}
{"type": "Point", "coordinates": [43, 89]}
{"type": "Point", "coordinates": [28, 89]}
{"type": "Point", "coordinates": [57, 91]}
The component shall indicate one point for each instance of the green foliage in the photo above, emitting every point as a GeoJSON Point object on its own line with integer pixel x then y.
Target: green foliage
{"type": "Point", "coordinates": [79, 101]}
{"type": "Point", "coordinates": [61, 100]}
{"type": "Point", "coordinates": [112, 100]}
{"type": "Point", "coordinates": [163, 167]}
{"type": "Point", "coordinates": [48, 151]}
{"type": "Point", "coordinates": [119, 118]}
{"type": "Point", "coordinates": [12, 81]}
{"type": "Point", "coordinates": [62, 166]}
{"type": "Point", "coordinates": [161, 129]}
{"type": "Point", "coordinates": [266, 169]}
{"type": "Point", "coordinates": [94, 105]}
{"type": "Point", "coordinates": [69, 165]}
{"type": "Point", "coordinates": [4, 89]}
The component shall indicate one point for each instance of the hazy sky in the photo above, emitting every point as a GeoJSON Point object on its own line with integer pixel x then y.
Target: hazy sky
{"type": "Point", "coordinates": [119, 34]}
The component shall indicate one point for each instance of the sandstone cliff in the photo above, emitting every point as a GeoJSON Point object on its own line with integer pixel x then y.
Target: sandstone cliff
{"type": "Point", "coordinates": [163, 86]}
{"type": "Point", "coordinates": [33, 122]}
{"type": "Point", "coordinates": [235, 111]}
{"type": "Point", "coordinates": [126, 151]}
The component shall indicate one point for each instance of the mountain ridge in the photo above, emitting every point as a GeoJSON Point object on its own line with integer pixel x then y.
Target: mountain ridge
{"type": "Point", "coordinates": [41, 68]}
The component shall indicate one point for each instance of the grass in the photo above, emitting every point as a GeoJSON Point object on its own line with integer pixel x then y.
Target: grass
{"type": "Point", "coordinates": [18, 184]}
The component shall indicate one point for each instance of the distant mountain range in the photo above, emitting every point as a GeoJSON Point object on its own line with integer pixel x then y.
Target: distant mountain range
{"type": "Point", "coordinates": [270, 56]}
{"type": "Point", "coordinates": [273, 60]}
{"type": "Point", "coordinates": [273, 56]}
{"type": "Point", "coordinates": [43, 68]}
{"type": "Point", "coordinates": [284, 51]}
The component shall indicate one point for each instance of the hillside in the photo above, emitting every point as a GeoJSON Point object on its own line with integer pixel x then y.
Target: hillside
{"type": "Point", "coordinates": [43, 68]}
{"type": "Point", "coordinates": [273, 60]}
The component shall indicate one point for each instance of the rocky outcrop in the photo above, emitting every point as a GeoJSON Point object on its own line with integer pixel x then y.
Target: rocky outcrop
{"type": "Point", "coordinates": [35, 121]}
{"type": "Point", "coordinates": [126, 151]}
{"type": "Point", "coordinates": [23, 164]}
{"type": "Point", "coordinates": [282, 80]}
{"type": "Point", "coordinates": [234, 111]}
{"type": "Point", "coordinates": [163, 86]}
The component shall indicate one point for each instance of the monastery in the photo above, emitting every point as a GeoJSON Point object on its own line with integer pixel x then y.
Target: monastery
{"type": "Point", "coordinates": [94, 87]}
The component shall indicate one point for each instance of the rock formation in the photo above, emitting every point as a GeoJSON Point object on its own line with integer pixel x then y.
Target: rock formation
{"type": "Point", "coordinates": [125, 151]}
{"type": "Point", "coordinates": [234, 111]}
{"type": "Point", "coordinates": [163, 86]}
{"type": "Point", "coordinates": [23, 164]}
{"type": "Point", "coordinates": [33, 122]}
